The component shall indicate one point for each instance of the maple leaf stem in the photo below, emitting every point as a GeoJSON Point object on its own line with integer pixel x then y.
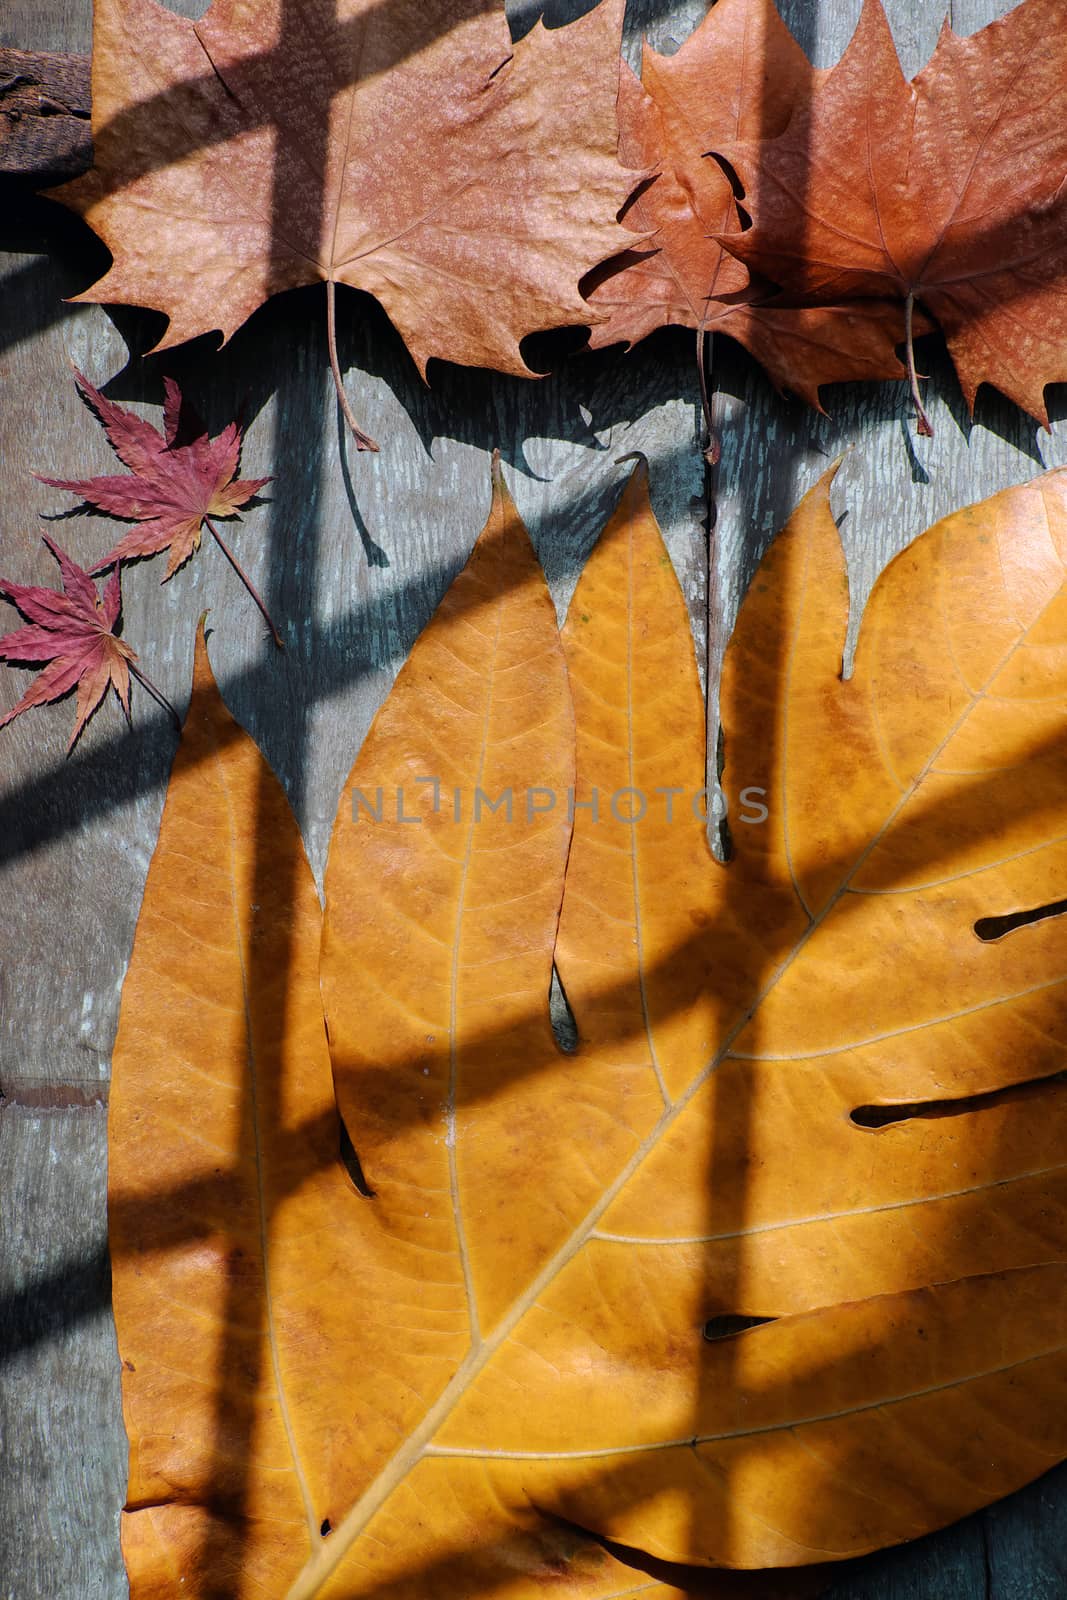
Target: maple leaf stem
{"type": "Point", "coordinates": [925, 427]}
{"type": "Point", "coordinates": [363, 440]}
{"type": "Point", "coordinates": [711, 447]}
{"type": "Point", "coordinates": [245, 579]}
{"type": "Point", "coordinates": [157, 694]}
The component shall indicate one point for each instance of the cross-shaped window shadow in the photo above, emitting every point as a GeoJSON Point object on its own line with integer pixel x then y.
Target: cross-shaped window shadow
{"type": "Point", "coordinates": [729, 1286]}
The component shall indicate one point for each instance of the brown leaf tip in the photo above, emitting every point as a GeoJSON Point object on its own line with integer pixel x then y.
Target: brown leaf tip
{"type": "Point", "coordinates": [502, 497]}
{"type": "Point", "coordinates": [640, 460]}
{"type": "Point", "coordinates": [203, 677]}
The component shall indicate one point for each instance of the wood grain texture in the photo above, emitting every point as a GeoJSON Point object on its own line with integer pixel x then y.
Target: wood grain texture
{"type": "Point", "coordinates": [44, 115]}
{"type": "Point", "coordinates": [354, 557]}
{"type": "Point", "coordinates": [60, 1411]}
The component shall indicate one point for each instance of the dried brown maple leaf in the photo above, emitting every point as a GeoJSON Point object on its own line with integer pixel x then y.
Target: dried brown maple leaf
{"type": "Point", "coordinates": [408, 150]}
{"type": "Point", "coordinates": [740, 75]}
{"type": "Point", "coordinates": [178, 480]}
{"type": "Point", "coordinates": [947, 191]}
{"type": "Point", "coordinates": [72, 635]}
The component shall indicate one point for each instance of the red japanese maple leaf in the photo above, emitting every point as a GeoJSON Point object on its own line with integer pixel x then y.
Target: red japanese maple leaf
{"type": "Point", "coordinates": [178, 480]}
{"type": "Point", "coordinates": [74, 632]}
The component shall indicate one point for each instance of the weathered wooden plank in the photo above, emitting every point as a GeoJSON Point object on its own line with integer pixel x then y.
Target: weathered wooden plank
{"type": "Point", "coordinates": [60, 1406]}
{"type": "Point", "coordinates": [44, 115]}
{"type": "Point", "coordinates": [353, 557]}
{"type": "Point", "coordinates": [1027, 1542]}
{"type": "Point", "coordinates": [52, 25]}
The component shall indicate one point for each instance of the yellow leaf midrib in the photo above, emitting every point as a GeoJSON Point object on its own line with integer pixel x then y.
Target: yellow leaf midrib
{"type": "Point", "coordinates": [816, 1219]}
{"type": "Point", "coordinates": [453, 1043]}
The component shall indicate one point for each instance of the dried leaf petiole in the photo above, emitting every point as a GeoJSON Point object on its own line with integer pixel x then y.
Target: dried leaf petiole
{"type": "Point", "coordinates": [363, 440]}
{"type": "Point", "coordinates": [925, 427]}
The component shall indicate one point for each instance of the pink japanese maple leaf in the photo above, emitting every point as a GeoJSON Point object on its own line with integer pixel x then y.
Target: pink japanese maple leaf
{"type": "Point", "coordinates": [178, 480]}
{"type": "Point", "coordinates": [74, 633]}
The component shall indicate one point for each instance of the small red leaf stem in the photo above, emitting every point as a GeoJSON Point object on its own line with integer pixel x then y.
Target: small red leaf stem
{"type": "Point", "coordinates": [157, 694]}
{"type": "Point", "coordinates": [363, 440]}
{"type": "Point", "coordinates": [245, 579]}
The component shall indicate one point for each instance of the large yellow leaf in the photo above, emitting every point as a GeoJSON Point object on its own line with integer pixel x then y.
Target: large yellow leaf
{"type": "Point", "coordinates": [807, 1090]}
{"type": "Point", "coordinates": [913, 1370]}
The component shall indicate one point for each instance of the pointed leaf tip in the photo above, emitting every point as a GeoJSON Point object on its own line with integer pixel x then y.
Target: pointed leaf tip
{"type": "Point", "coordinates": [204, 682]}
{"type": "Point", "coordinates": [503, 512]}
{"type": "Point", "coordinates": [637, 482]}
{"type": "Point", "coordinates": [496, 473]}
{"type": "Point", "coordinates": [207, 713]}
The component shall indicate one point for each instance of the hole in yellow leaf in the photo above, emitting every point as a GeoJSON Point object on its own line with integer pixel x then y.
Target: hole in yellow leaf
{"type": "Point", "coordinates": [990, 928]}
{"type": "Point", "coordinates": [351, 1163]}
{"type": "Point", "coordinates": [563, 1024]}
{"type": "Point", "coordinates": [883, 1116]}
{"type": "Point", "coordinates": [730, 1324]}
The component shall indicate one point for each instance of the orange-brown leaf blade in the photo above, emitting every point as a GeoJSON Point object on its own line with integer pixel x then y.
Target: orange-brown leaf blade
{"type": "Point", "coordinates": [450, 844]}
{"type": "Point", "coordinates": [809, 1091]}
{"type": "Point", "coordinates": [654, 950]}
{"type": "Point", "coordinates": [237, 1294]}
{"type": "Point", "coordinates": [865, 1411]}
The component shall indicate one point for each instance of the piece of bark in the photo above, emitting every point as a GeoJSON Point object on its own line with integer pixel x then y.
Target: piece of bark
{"type": "Point", "coordinates": [44, 116]}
